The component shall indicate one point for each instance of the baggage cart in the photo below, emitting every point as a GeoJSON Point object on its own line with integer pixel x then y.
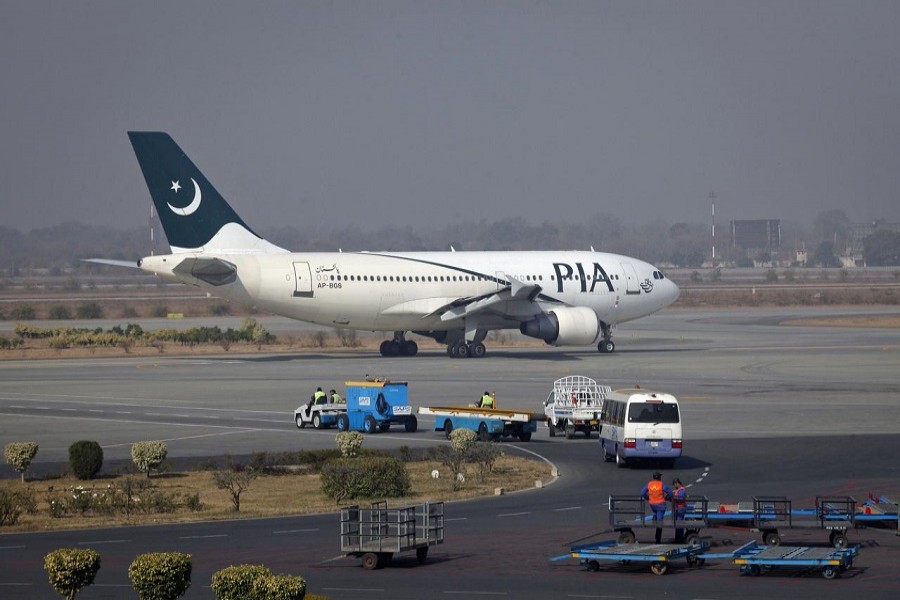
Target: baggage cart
{"type": "Point", "coordinates": [488, 423]}
{"type": "Point", "coordinates": [378, 533]}
{"type": "Point", "coordinates": [752, 558]}
{"type": "Point", "coordinates": [658, 555]}
{"type": "Point", "coordinates": [627, 513]}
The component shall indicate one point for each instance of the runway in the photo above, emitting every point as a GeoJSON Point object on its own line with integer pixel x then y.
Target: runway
{"type": "Point", "coordinates": [767, 409]}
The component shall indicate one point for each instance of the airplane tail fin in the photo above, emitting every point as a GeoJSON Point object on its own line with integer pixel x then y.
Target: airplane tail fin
{"type": "Point", "coordinates": [193, 214]}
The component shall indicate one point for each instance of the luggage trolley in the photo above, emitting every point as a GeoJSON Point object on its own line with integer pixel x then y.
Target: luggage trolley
{"type": "Point", "coordinates": [658, 555]}
{"type": "Point", "coordinates": [626, 513]}
{"type": "Point", "coordinates": [379, 532]}
{"type": "Point", "coordinates": [753, 557]}
{"type": "Point", "coordinates": [835, 514]}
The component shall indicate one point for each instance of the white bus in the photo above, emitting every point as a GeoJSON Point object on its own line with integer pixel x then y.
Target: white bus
{"type": "Point", "coordinates": [638, 424]}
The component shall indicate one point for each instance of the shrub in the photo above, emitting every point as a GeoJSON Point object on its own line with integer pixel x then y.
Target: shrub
{"type": "Point", "coordinates": [128, 312]}
{"type": "Point", "coordinates": [160, 575]}
{"type": "Point", "coordinates": [85, 459]}
{"type": "Point", "coordinates": [462, 439]}
{"type": "Point", "coordinates": [58, 311]}
{"type": "Point", "coordinates": [219, 309]}
{"type": "Point", "coordinates": [235, 482]}
{"type": "Point", "coordinates": [20, 455]}
{"type": "Point", "coordinates": [159, 311]}
{"type": "Point", "coordinates": [349, 443]}
{"type": "Point", "coordinates": [22, 312]}
{"type": "Point", "coordinates": [148, 455]}
{"type": "Point", "coordinates": [89, 310]}
{"type": "Point", "coordinates": [367, 477]}
{"type": "Point", "coordinates": [349, 338]}
{"type": "Point", "coordinates": [15, 502]}
{"type": "Point", "coordinates": [236, 582]}
{"type": "Point", "coordinates": [280, 587]}
{"type": "Point", "coordinates": [71, 569]}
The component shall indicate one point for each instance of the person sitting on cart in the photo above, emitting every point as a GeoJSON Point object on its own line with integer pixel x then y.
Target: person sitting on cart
{"type": "Point", "coordinates": [656, 492]}
{"type": "Point", "coordinates": [318, 397]}
{"type": "Point", "coordinates": [336, 398]}
{"type": "Point", "coordinates": [487, 401]}
{"type": "Point", "coordinates": [679, 507]}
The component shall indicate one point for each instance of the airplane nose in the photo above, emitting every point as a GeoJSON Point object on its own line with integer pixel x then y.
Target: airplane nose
{"type": "Point", "coordinates": [674, 291]}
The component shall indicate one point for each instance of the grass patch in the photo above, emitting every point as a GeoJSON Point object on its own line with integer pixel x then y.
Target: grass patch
{"type": "Point", "coordinates": [288, 492]}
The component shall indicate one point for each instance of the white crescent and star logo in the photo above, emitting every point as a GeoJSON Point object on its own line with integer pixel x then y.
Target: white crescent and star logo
{"type": "Point", "coordinates": [190, 208]}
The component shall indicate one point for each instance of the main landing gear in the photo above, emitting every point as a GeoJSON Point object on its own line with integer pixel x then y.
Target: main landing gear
{"type": "Point", "coordinates": [399, 346]}
{"type": "Point", "coordinates": [606, 344]}
{"type": "Point", "coordinates": [461, 349]}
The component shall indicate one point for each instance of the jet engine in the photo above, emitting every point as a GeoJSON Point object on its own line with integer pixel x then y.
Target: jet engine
{"type": "Point", "coordinates": [566, 326]}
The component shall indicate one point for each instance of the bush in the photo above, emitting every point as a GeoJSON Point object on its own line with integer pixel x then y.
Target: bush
{"type": "Point", "coordinates": [235, 482]}
{"type": "Point", "coordinates": [20, 455]}
{"type": "Point", "coordinates": [280, 587]}
{"type": "Point", "coordinates": [85, 459]}
{"type": "Point", "coordinates": [161, 575]}
{"type": "Point", "coordinates": [89, 310]}
{"type": "Point", "coordinates": [71, 569]}
{"type": "Point", "coordinates": [219, 309]}
{"type": "Point", "coordinates": [349, 443]}
{"type": "Point", "coordinates": [148, 455]}
{"type": "Point", "coordinates": [160, 311]}
{"type": "Point", "coordinates": [22, 312]}
{"type": "Point", "coordinates": [367, 477]}
{"type": "Point", "coordinates": [60, 312]}
{"type": "Point", "coordinates": [236, 582]}
{"type": "Point", "coordinates": [15, 502]}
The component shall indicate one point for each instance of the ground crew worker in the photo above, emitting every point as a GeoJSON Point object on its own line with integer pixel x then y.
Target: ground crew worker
{"type": "Point", "coordinates": [318, 396]}
{"type": "Point", "coordinates": [487, 401]}
{"type": "Point", "coordinates": [336, 398]}
{"type": "Point", "coordinates": [679, 507]}
{"type": "Point", "coordinates": [656, 492]}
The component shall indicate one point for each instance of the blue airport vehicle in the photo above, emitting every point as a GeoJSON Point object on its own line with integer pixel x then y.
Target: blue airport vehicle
{"type": "Point", "coordinates": [374, 406]}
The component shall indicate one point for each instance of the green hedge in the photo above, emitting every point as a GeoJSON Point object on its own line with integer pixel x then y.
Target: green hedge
{"type": "Point", "coordinates": [236, 582]}
{"type": "Point", "coordinates": [85, 459]}
{"type": "Point", "coordinates": [161, 575]}
{"type": "Point", "coordinates": [365, 477]}
{"type": "Point", "coordinates": [71, 569]}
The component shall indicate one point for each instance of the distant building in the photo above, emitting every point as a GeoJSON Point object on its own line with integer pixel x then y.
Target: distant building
{"type": "Point", "coordinates": [852, 256]}
{"type": "Point", "coordinates": [758, 234]}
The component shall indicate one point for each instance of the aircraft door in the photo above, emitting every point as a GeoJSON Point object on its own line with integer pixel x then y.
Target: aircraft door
{"type": "Point", "coordinates": [631, 279]}
{"type": "Point", "coordinates": [302, 280]}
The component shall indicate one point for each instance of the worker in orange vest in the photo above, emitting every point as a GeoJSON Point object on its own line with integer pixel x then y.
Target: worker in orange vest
{"type": "Point", "coordinates": [679, 507]}
{"type": "Point", "coordinates": [657, 493]}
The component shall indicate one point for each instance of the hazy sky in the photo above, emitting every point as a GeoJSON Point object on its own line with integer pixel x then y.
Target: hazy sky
{"type": "Point", "coordinates": [423, 112]}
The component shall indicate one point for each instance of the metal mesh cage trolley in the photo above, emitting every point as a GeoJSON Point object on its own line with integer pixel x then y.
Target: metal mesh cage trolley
{"type": "Point", "coordinates": [379, 532]}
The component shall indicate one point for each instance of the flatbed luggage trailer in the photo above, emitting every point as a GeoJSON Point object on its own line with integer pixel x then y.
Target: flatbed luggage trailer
{"type": "Point", "coordinates": [658, 555]}
{"type": "Point", "coordinates": [488, 423]}
{"type": "Point", "coordinates": [627, 513]}
{"type": "Point", "coordinates": [879, 511]}
{"type": "Point", "coordinates": [379, 532]}
{"type": "Point", "coordinates": [772, 514]}
{"type": "Point", "coordinates": [752, 558]}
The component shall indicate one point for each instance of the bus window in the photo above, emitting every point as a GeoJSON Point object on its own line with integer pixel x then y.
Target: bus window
{"type": "Point", "coordinates": [659, 412]}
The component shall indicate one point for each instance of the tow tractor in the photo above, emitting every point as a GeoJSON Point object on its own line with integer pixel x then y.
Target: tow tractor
{"type": "Point", "coordinates": [321, 414]}
{"type": "Point", "coordinates": [488, 423]}
{"type": "Point", "coordinates": [574, 405]}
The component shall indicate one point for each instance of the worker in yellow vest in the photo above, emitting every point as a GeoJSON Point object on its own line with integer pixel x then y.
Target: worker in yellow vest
{"type": "Point", "coordinates": [487, 401]}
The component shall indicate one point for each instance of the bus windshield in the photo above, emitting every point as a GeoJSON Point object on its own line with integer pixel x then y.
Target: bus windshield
{"type": "Point", "coordinates": [644, 412]}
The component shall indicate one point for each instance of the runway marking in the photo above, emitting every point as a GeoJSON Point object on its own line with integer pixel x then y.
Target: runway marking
{"type": "Point", "coordinates": [699, 479]}
{"type": "Point", "coordinates": [69, 409]}
{"type": "Point", "coordinates": [294, 531]}
{"type": "Point", "coordinates": [141, 402]}
{"type": "Point", "coordinates": [476, 593]}
{"type": "Point", "coordinates": [203, 537]}
{"type": "Point", "coordinates": [15, 585]}
{"type": "Point", "coordinates": [515, 514]}
{"type": "Point", "coordinates": [12, 547]}
{"type": "Point", "coordinates": [95, 410]}
{"type": "Point", "coordinates": [103, 542]}
{"type": "Point", "coordinates": [456, 519]}
{"type": "Point", "coordinates": [334, 589]}
{"type": "Point", "coordinates": [190, 437]}
{"type": "Point", "coordinates": [595, 596]}
{"type": "Point", "coordinates": [567, 508]}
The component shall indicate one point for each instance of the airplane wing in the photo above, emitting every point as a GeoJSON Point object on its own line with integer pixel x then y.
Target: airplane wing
{"type": "Point", "coordinates": [517, 297]}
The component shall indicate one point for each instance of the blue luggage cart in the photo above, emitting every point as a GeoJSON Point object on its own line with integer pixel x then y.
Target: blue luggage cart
{"type": "Point", "coordinates": [658, 555]}
{"type": "Point", "coordinates": [753, 557]}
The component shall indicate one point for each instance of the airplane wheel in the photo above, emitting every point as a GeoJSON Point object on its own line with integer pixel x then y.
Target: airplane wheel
{"type": "Point", "coordinates": [384, 348]}
{"type": "Point", "coordinates": [477, 350]}
{"type": "Point", "coordinates": [410, 348]}
{"type": "Point", "coordinates": [606, 346]}
{"type": "Point", "coordinates": [460, 350]}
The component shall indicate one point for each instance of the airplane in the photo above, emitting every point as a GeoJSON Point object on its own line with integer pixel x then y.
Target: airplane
{"type": "Point", "coordinates": [565, 298]}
